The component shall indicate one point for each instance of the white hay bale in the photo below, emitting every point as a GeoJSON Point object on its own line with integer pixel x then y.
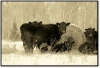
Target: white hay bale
{"type": "Point", "coordinates": [76, 34]}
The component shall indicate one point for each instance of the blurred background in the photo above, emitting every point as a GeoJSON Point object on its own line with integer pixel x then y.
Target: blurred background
{"type": "Point", "coordinates": [14, 14]}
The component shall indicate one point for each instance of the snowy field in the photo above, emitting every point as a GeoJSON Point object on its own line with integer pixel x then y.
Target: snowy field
{"type": "Point", "coordinates": [13, 54]}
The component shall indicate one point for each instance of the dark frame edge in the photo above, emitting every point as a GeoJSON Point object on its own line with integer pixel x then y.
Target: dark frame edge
{"type": "Point", "coordinates": [48, 65]}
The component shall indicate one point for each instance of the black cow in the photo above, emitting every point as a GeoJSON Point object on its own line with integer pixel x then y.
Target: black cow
{"type": "Point", "coordinates": [89, 33]}
{"type": "Point", "coordinates": [66, 46]}
{"type": "Point", "coordinates": [92, 37]}
{"type": "Point", "coordinates": [42, 33]}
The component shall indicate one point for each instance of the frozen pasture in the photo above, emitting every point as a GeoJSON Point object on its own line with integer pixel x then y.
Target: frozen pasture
{"type": "Point", "coordinates": [13, 54]}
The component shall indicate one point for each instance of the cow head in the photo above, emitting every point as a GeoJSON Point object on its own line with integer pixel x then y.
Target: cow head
{"type": "Point", "coordinates": [62, 26]}
{"type": "Point", "coordinates": [89, 33]}
{"type": "Point", "coordinates": [69, 43]}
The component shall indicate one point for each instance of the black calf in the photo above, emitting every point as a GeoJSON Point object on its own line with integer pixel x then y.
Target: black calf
{"type": "Point", "coordinates": [92, 37]}
{"type": "Point", "coordinates": [66, 46]}
{"type": "Point", "coordinates": [86, 48]}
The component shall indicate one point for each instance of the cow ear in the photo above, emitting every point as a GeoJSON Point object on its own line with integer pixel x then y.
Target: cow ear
{"type": "Point", "coordinates": [67, 24]}
{"type": "Point", "coordinates": [86, 29]}
{"type": "Point", "coordinates": [58, 24]}
{"type": "Point", "coordinates": [29, 22]}
{"type": "Point", "coordinates": [40, 22]}
{"type": "Point", "coordinates": [84, 32]}
{"type": "Point", "coordinates": [94, 29]}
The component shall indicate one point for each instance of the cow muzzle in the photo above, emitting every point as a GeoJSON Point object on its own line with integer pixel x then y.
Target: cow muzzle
{"type": "Point", "coordinates": [64, 31]}
{"type": "Point", "coordinates": [90, 35]}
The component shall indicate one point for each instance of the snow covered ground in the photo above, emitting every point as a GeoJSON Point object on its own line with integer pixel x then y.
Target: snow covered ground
{"type": "Point", "coordinates": [13, 54]}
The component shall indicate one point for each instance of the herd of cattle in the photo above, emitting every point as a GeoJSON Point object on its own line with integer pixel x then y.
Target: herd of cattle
{"type": "Point", "coordinates": [46, 37]}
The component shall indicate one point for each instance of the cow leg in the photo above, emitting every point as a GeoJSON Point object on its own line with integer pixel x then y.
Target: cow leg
{"type": "Point", "coordinates": [24, 44]}
{"type": "Point", "coordinates": [58, 49]}
{"type": "Point", "coordinates": [35, 44]}
{"type": "Point", "coordinates": [96, 51]}
{"type": "Point", "coordinates": [48, 42]}
{"type": "Point", "coordinates": [96, 48]}
{"type": "Point", "coordinates": [28, 47]}
{"type": "Point", "coordinates": [25, 47]}
{"type": "Point", "coordinates": [53, 48]}
{"type": "Point", "coordinates": [38, 45]}
{"type": "Point", "coordinates": [95, 43]}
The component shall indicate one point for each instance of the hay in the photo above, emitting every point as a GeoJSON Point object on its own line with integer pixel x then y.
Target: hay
{"type": "Point", "coordinates": [76, 34]}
